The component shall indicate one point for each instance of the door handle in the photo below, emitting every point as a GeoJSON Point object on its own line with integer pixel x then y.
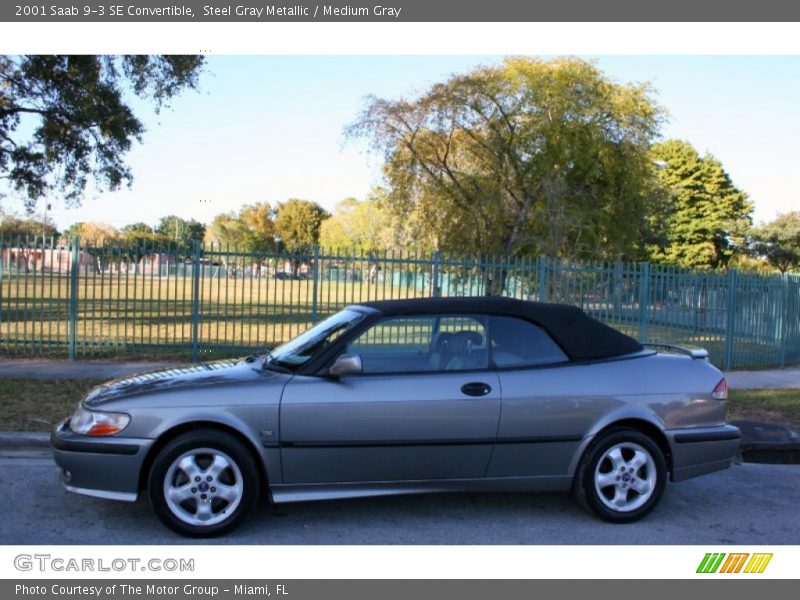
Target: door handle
{"type": "Point", "coordinates": [476, 388]}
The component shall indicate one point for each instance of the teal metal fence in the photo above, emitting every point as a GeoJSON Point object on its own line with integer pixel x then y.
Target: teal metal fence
{"type": "Point", "coordinates": [101, 300]}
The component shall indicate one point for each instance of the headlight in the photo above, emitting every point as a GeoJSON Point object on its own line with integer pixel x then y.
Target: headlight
{"type": "Point", "coordinates": [91, 422]}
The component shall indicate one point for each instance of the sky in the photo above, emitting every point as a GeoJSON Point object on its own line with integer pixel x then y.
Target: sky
{"type": "Point", "coordinates": [269, 128]}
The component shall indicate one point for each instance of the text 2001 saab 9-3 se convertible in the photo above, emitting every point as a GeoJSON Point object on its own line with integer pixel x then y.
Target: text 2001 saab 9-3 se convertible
{"type": "Point", "coordinates": [395, 397]}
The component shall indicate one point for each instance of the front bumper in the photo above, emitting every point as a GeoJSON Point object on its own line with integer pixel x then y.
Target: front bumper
{"type": "Point", "coordinates": [700, 450]}
{"type": "Point", "coordinates": [103, 467]}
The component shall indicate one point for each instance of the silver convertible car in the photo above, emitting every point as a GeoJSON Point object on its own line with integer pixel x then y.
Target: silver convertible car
{"type": "Point", "coordinates": [408, 396]}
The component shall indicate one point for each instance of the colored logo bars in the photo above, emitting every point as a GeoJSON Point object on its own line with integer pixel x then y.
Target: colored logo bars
{"type": "Point", "coordinates": [717, 562]}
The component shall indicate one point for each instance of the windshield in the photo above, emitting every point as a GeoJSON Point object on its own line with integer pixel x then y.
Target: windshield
{"type": "Point", "coordinates": [306, 346]}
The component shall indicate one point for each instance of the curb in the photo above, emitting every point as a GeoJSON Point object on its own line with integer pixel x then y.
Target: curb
{"type": "Point", "coordinates": [776, 453]}
{"type": "Point", "coordinates": [752, 451]}
{"type": "Point", "coordinates": [18, 440]}
{"type": "Point", "coordinates": [769, 443]}
{"type": "Point", "coordinates": [24, 444]}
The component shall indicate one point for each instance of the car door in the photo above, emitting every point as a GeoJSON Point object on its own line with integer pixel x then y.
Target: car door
{"type": "Point", "coordinates": [426, 407]}
{"type": "Point", "coordinates": [547, 405]}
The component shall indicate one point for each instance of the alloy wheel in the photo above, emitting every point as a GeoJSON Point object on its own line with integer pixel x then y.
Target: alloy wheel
{"type": "Point", "coordinates": [203, 486]}
{"type": "Point", "coordinates": [625, 477]}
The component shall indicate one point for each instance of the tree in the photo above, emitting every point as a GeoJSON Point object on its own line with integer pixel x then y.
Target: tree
{"type": "Point", "coordinates": [258, 226]}
{"type": "Point", "coordinates": [708, 212]}
{"type": "Point", "coordinates": [779, 241]}
{"type": "Point", "coordinates": [13, 227]}
{"type": "Point", "coordinates": [297, 224]}
{"type": "Point", "coordinates": [65, 120]}
{"type": "Point", "coordinates": [366, 226]}
{"type": "Point", "coordinates": [225, 230]}
{"type": "Point", "coordinates": [93, 233]}
{"type": "Point", "coordinates": [139, 233]}
{"type": "Point", "coordinates": [180, 231]}
{"type": "Point", "coordinates": [531, 156]}
{"type": "Point", "coordinates": [251, 229]}
{"type": "Point", "coordinates": [137, 228]}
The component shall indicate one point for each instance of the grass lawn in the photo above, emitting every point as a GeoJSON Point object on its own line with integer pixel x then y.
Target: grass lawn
{"type": "Point", "coordinates": [38, 404]}
{"type": "Point", "coordinates": [151, 316]}
{"type": "Point", "coordinates": [771, 406]}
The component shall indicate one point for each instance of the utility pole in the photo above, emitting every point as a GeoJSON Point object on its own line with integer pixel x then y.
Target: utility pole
{"type": "Point", "coordinates": [47, 207]}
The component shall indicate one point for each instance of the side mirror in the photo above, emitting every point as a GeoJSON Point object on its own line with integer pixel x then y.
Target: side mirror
{"type": "Point", "coordinates": [346, 364]}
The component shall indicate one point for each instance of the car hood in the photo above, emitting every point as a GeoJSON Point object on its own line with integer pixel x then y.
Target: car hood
{"type": "Point", "coordinates": [204, 374]}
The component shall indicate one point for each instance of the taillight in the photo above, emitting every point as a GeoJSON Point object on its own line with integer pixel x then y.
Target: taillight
{"type": "Point", "coordinates": [721, 390]}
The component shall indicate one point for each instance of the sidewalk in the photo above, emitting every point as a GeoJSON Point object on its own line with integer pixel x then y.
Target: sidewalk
{"type": "Point", "coordinates": [42, 368]}
{"type": "Point", "coordinates": [753, 380]}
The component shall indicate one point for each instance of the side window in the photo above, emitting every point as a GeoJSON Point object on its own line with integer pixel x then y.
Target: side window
{"type": "Point", "coordinates": [395, 337]}
{"type": "Point", "coordinates": [519, 343]}
{"type": "Point", "coordinates": [421, 344]}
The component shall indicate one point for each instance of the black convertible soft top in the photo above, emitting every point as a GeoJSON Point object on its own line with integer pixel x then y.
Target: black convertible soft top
{"type": "Point", "coordinates": [580, 336]}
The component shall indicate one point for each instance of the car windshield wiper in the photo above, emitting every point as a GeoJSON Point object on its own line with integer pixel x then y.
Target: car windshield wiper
{"type": "Point", "coordinates": [268, 361]}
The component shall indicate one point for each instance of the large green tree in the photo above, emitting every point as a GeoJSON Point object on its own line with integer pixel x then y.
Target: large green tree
{"type": "Point", "coordinates": [251, 229]}
{"type": "Point", "coordinates": [707, 212]}
{"type": "Point", "coordinates": [141, 236]}
{"type": "Point", "coordinates": [529, 156]}
{"type": "Point", "coordinates": [93, 232]}
{"type": "Point", "coordinates": [358, 225]}
{"type": "Point", "coordinates": [65, 120]}
{"type": "Point", "coordinates": [13, 228]}
{"type": "Point", "coordinates": [297, 224]}
{"type": "Point", "coordinates": [179, 231]}
{"type": "Point", "coordinates": [779, 241]}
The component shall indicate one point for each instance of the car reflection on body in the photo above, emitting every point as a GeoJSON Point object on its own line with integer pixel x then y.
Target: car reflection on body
{"type": "Point", "coordinates": [407, 396]}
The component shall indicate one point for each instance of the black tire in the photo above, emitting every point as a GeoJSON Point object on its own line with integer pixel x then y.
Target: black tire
{"type": "Point", "coordinates": [587, 493]}
{"type": "Point", "coordinates": [224, 519]}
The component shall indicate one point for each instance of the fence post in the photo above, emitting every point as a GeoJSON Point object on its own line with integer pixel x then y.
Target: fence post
{"type": "Point", "coordinates": [784, 317]}
{"type": "Point", "coordinates": [644, 300]}
{"type": "Point", "coordinates": [196, 251]}
{"type": "Point", "coordinates": [731, 321]}
{"type": "Point", "coordinates": [435, 289]}
{"type": "Point", "coordinates": [72, 313]}
{"type": "Point", "coordinates": [541, 269]}
{"type": "Point", "coordinates": [315, 285]}
{"type": "Point", "coordinates": [617, 289]}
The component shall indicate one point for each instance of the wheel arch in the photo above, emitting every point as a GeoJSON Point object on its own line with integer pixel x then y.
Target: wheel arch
{"type": "Point", "coordinates": [180, 428]}
{"type": "Point", "coordinates": [638, 424]}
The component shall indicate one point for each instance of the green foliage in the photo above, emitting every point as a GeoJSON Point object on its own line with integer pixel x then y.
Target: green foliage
{"type": "Point", "coordinates": [137, 228]}
{"type": "Point", "coordinates": [92, 232]}
{"type": "Point", "coordinates": [532, 156]}
{"type": "Point", "coordinates": [64, 119]}
{"type": "Point", "coordinates": [180, 232]}
{"type": "Point", "coordinates": [359, 226]}
{"type": "Point", "coordinates": [251, 229]}
{"type": "Point", "coordinates": [779, 241]}
{"type": "Point", "coordinates": [258, 226]}
{"type": "Point", "coordinates": [141, 235]}
{"type": "Point", "coordinates": [297, 224]}
{"type": "Point", "coordinates": [13, 227]}
{"type": "Point", "coordinates": [707, 217]}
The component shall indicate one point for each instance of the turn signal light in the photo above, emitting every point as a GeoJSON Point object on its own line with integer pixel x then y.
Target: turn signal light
{"type": "Point", "coordinates": [96, 423]}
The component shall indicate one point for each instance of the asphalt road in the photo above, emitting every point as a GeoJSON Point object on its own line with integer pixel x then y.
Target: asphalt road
{"type": "Point", "coordinates": [747, 504]}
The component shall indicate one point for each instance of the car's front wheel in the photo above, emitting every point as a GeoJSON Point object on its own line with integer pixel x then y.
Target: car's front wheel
{"type": "Point", "coordinates": [203, 483]}
{"type": "Point", "coordinates": [622, 476]}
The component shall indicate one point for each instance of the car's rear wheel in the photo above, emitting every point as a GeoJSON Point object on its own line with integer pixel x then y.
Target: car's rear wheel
{"type": "Point", "coordinates": [203, 483]}
{"type": "Point", "coordinates": [622, 476]}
